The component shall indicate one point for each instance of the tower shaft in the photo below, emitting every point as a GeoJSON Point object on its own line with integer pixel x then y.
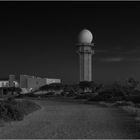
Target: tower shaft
{"type": "Point", "coordinates": [85, 54]}
{"type": "Point", "coordinates": [85, 67]}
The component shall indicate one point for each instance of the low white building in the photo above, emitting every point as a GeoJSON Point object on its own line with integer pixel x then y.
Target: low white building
{"type": "Point", "coordinates": [6, 83]}
{"type": "Point", "coordinates": [50, 81]}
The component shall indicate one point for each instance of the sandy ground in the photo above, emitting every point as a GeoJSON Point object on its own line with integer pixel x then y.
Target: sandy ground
{"type": "Point", "coordinates": [62, 119]}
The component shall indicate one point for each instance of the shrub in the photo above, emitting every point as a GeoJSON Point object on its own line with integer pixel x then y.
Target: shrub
{"type": "Point", "coordinates": [80, 97]}
{"type": "Point", "coordinates": [62, 93]}
{"type": "Point", "coordinates": [96, 98]}
{"type": "Point", "coordinates": [83, 96]}
{"type": "Point", "coordinates": [30, 95]}
{"type": "Point", "coordinates": [70, 94]}
{"type": "Point", "coordinates": [15, 110]}
{"type": "Point", "coordinates": [52, 86]}
{"type": "Point", "coordinates": [123, 103]}
{"type": "Point", "coordinates": [50, 93]}
{"type": "Point", "coordinates": [10, 111]}
{"type": "Point", "coordinates": [135, 99]}
{"type": "Point", "coordinates": [106, 95]}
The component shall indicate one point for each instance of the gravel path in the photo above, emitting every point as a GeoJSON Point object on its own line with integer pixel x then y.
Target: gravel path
{"type": "Point", "coordinates": [67, 120]}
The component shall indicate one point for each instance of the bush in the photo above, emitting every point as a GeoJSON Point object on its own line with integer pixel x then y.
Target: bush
{"type": "Point", "coordinates": [16, 110]}
{"type": "Point", "coordinates": [107, 95]}
{"type": "Point", "coordinates": [96, 98]}
{"type": "Point", "coordinates": [70, 94]}
{"type": "Point", "coordinates": [123, 103]}
{"type": "Point", "coordinates": [80, 97]}
{"type": "Point", "coordinates": [83, 96]}
{"type": "Point", "coordinates": [50, 93]}
{"type": "Point", "coordinates": [10, 111]}
{"type": "Point", "coordinates": [102, 96]}
{"type": "Point", "coordinates": [62, 93]}
{"type": "Point", "coordinates": [31, 95]}
{"type": "Point", "coordinates": [10, 99]}
{"type": "Point", "coordinates": [134, 99]}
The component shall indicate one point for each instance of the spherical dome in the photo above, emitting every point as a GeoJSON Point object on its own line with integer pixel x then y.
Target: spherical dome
{"type": "Point", "coordinates": [85, 36]}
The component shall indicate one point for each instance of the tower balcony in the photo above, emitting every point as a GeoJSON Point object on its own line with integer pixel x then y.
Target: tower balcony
{"type": "Point", "coordinates": [85, 51]}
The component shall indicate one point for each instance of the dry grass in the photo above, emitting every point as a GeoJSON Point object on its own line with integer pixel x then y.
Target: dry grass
{"type": "Point", "coordinates": [131, 110]}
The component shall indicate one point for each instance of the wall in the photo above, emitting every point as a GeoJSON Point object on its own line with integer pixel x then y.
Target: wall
{"type": "Point", "coordinates": [49, 81]}
{"type": "Point", "coordinates": [33, 83]}
{"type": "Point", "coordinates": [11, 80]}
{"type": "Point", "coordinates": [23, 81]}
{"type": "Point", "coordinates": [4, 83]}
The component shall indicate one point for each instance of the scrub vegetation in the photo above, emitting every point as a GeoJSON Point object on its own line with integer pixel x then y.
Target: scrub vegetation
{"type": "Point", "coordinates": [15, 110]}
{"type": "Point", "coordinates": [92, 91]}
{"type": "Point", "coordinates": [124, 94]}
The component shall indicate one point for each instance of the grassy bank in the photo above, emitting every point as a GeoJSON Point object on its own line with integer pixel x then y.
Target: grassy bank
{"type": "Point", "coordinates": [130, 107]}
{"type": "Point", "coordinates": [133, 110]}
{"type": "Point", "coordinates": [15, 110]}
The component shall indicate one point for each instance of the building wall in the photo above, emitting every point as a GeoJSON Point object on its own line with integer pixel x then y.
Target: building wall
{"type": "Point", "coordinates": [4, 83]}
{"type": "Point", "coordinates": [41, 81]}
{"type": "Point", "coordinates": [23, 81]}
{"type": "Point", "coordinates": [7, 84]}
{"type": "Point", "coordinates": [11, 80]}
{"type": "Point", "coordinates": [49, 81]}
{"type": "Point", "coordinates": [33, 83]}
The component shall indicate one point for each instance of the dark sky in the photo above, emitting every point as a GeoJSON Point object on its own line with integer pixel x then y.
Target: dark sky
{"type": "Point", "coordinates": [38, 38]}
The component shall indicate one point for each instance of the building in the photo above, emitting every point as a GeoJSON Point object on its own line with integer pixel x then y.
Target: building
{"type": "Point", "coordinates": [85, 52]}
{"type": "Point", "coordinates": [27, 83]}
{"type": "Point", "coordinates": [4, 83]}
{"type": "Point", "coordinates": [31, 83]}
{"type": "Point", "coordinates": [35, 82]}
{"type": "Point", "coordinates": [50, 81]}
{"type": "Point", "coordinates": [11, 82]}
{"type": "Point", "coordinates": [23, 81]}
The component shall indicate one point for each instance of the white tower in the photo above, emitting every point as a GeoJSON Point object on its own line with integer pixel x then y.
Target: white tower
{"type": "Point", "coordinates": [85, 53]}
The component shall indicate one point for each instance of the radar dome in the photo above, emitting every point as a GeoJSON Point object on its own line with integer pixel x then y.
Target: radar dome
{"type": "Point", "coordinates": [85, 36]}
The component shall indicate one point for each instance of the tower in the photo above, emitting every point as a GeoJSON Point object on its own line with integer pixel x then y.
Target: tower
{"type": "Point", "coordinates": [85, 54]}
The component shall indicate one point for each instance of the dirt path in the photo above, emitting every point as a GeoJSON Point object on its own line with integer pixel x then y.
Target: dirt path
{"type": "Point", "coordinates": [72, 120]}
